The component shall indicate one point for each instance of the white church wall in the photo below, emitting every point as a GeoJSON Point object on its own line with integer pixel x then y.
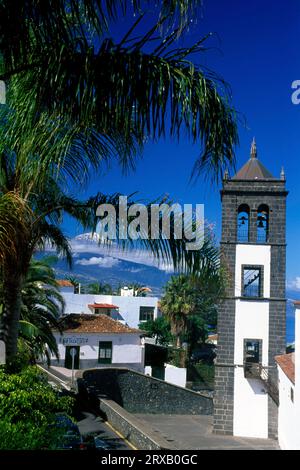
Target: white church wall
{"type": "Point", "coordinates": [253, 255]}
{"type": "Point", "coordinates": [250, 415]}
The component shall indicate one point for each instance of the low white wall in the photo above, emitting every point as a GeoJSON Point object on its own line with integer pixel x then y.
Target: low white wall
{"type": "Point", "coordinates": [175, 375]}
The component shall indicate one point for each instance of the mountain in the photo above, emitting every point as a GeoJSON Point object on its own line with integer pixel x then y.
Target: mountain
{"type": "Point", "coordinates": [94, 263]}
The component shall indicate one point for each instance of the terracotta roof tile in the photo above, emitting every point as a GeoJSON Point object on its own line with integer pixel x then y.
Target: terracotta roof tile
{"type": "Point", "coordinates": [64, 283]}
{"type": "Point", "coordinates": [287, 364]}
{"type": "Point", "coordinates": [85, 323]}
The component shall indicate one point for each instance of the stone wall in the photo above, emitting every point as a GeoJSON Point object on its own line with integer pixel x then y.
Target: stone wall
{"type": "Point", "coordinates": [139, 433]}
{"type": "Point", "coordinates": [138, 393]}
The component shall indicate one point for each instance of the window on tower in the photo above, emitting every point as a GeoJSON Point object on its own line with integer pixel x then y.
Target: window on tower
{"type": "Point", "coordinates": [252, 357]}
{"type": "Point", "coordinates": [243, 223]}
{"type": "Point", "coordinates": [262, 224]}
{"type": "Point", "coordinates": [252, 281]}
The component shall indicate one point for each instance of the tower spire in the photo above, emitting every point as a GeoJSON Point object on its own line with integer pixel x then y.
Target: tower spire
{"type": "Point", "coordinates": [253, 151]}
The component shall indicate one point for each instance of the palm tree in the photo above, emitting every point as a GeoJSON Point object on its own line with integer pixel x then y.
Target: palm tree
{"type": "Point", "coordinates": [98, 288]}
{"type": "Point", "coordinates": [190, 302]}
{"type": "Point", "coordinates": [139, 290]}
{"type": "Point", "coordinates": [37, 224]}
{"type": "Point", "coordinates": [62, 64]}
{"type": "Point", "coordinates": [178, 303]}
{"type": "Point", "coordinates": [78, 99]}
{"type": "Point", "coordinates": [41, 306]}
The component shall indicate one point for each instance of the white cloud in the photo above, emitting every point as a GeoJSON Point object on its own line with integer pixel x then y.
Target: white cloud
{"type": "Point", "coordinates": [101, 261]}
{"type": "Point", "coordinates": [86, 243]}
{"type": "Point", "coordinates": [294, 283]}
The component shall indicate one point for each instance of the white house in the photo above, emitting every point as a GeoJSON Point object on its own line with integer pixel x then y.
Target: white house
{"type": "Point", "coordinates": [98, 341]}
{"type": "Point", "coordinates": [125, 308]}
{"type": "Point", "coordinates": [289, 393]}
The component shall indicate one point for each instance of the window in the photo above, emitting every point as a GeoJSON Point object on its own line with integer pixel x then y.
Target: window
{"type": "Point", "coordinates": [105, 352]}
{"type": "Point", "coordinates": [243, 223]}
{"type": "Point", "coordinates": [103, 311]}
{"type": "Point", "coordinates": [252, 285]}
{"type": "Point", "coordinates": [252, 357]}
{"type": "Point", "coordinates": [262, 224]}
{"type": "Point", "coordinates": [146, 313]}
{"type": "Point", "coordinates": [252, 351]}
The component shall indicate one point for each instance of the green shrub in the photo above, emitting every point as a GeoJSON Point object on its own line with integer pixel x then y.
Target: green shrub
{"type": "Point", "coordinates": [27, 409]}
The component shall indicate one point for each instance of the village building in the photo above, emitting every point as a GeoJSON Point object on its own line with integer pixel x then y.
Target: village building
{"type": "Point", "coordinates": [89, 341]}
{"type": "Point", "coordinates": [127, 308]}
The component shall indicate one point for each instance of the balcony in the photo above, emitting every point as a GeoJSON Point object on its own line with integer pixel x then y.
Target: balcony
{"type": "Point", "coordinates": [259, 372]}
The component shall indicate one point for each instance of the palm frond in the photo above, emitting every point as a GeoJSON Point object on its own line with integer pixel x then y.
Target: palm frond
{"type": "Point", "coordinates": [123, 91]}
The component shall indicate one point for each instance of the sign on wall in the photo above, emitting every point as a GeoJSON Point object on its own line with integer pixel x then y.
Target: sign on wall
{"type": "Point", "coordinates": [73, 340]}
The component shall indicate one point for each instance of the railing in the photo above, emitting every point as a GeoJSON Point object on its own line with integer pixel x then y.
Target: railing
{"type": "Point", "coordinates": [257, 371]}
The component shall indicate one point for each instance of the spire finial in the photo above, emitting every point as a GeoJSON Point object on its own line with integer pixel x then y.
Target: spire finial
{"type": "Point", "coordinates": [253, 152]}
{"type": "Point", "coordinates": [282, 174]}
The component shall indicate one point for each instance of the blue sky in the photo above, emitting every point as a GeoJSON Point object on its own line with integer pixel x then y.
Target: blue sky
{"type": "Point", "coordinates": [255, 51]}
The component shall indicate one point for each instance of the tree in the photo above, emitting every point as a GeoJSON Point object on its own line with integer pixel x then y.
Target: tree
{"type": "Point", "coordinates": [139, 290]}
{"type": "Point", "coordinates": [77, 100]}
{"type": "Point", "coordinates": [190, 303]}
{"type": "Point", "coordinates": [160, 329]}
{"type": "Point", "coordinates": [177, 303]}
{"type": "Point", "coordinates": [27, 411]}
{"type": "Point", "coordinates": [98, 288]}
{"type": "Point", "coordinates": [62, 64]}
{"type": "Point", "coordinates": [41, 307]}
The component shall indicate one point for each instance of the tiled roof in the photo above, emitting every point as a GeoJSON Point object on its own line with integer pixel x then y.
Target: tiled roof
{"type": "Point", "coordinates": [102, 306]}
{"type": "Point", "coordinates": [85, 323]}
{"type": "Point", "coordinates": [213, 337]}
{"type": "Point", "coordinates": [253, 169]}
{"type": "Point", "coordinates": [64, 283]}
{"type": "Point", "coordinates": [287, 364]}
{"type": "Point", "coordinates": [297, 303]}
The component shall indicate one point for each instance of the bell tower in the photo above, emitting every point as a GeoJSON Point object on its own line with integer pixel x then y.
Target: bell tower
{"type": "Point", "coordinates": [252, 316]}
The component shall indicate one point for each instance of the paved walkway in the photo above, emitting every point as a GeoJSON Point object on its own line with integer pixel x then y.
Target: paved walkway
{"type": "Point", "coordinates": [189, 432]}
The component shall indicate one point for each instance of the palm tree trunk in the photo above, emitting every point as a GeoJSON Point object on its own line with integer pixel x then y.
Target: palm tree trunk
{"type": "Point", "coordinates": [12, 285]}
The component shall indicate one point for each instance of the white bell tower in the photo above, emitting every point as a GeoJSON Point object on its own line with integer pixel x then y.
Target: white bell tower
{"type": "Point", "coordinates": [251, 320]}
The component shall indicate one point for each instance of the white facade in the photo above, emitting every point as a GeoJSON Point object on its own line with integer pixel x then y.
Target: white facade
{"type": "Point", "coordinates": [289, 398]}
{"type": "Point", "coordinates": [250, 415]}
{"type": "Point", "coordinates": [288, 426]}
{"type": "Point", "coordinates": [128, 306]}
{"type": "Point", "coordinates": [127, 349]}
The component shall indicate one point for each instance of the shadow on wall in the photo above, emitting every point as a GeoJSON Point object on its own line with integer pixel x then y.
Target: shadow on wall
{"type": "Point", "coordinates": [139, 393]}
